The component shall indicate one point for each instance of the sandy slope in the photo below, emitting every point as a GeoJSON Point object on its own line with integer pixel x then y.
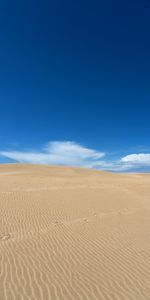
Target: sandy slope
{"type": "Point", "coordinates": [69, 233]}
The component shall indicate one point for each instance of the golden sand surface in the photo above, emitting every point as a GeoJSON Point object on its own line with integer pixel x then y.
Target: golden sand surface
{"type": "Point", "coordinates": [73, 234]}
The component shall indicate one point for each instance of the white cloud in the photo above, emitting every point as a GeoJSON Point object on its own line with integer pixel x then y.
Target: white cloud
{"type": "Point", "coordinates": [140, 161]}
{"type": "Point", "coordinates": [57, 153]}
{"type": "Point", "coordinates": [137, 159]}
{"type": "Point", "coordinates": [72, 149]}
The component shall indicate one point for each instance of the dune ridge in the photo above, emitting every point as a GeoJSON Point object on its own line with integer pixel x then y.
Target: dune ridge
{"type": "Point", "coordinates": [73, 233]}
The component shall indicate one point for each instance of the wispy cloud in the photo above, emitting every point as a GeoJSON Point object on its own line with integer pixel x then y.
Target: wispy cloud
{"type": "Point", "coordinates": [73, 154]}
{"type": "Point", "coordinates": [57, 153]}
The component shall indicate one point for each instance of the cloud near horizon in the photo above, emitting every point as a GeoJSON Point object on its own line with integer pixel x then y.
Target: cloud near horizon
{"type": "Point", "coordinates": [137, 159]}
{"type": "Point", "coordinates": [57, 153]}
{"type": "Point", "coordinates": [73, 154]}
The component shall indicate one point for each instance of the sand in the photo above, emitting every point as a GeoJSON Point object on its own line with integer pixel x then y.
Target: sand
{"type": "Point", "coordinates": [71, 233]}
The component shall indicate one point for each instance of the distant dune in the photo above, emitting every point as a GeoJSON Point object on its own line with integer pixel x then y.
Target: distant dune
{"type": "Point", "coordinates": [73, 234]}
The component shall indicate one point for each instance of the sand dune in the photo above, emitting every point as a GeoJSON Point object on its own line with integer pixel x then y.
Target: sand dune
{"type": "Point", "coordinates": [70, 233]}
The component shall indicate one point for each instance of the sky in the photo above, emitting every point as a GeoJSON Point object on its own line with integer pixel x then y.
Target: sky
{"type": "Point", "coordinates": [75, 83]}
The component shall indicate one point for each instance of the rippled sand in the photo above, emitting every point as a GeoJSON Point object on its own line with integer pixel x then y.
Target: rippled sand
{"type": "Point", "coordinates": [70, 233]}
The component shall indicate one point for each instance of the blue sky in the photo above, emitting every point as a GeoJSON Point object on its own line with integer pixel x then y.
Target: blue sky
{"type": "Point", "coordinates": [74, 83]}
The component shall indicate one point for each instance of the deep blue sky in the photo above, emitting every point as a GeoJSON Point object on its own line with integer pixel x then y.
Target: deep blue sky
{"type": "Point", "coordinates": [75, 71]}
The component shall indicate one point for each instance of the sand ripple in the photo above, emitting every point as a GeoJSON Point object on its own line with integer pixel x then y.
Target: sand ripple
{"type": "Point", "coordinates": [72, 234]}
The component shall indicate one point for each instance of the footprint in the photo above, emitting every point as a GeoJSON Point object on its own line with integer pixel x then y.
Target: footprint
{"type": "Point", "coordinates": [4, 237]}
{"type": "Point", "coordinates": [85, 220]}
{"type": "Point", "coordinates": [57, 223]}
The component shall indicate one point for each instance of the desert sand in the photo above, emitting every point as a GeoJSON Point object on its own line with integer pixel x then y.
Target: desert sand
{"type": "Point", "coordinates": [72, 233]}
